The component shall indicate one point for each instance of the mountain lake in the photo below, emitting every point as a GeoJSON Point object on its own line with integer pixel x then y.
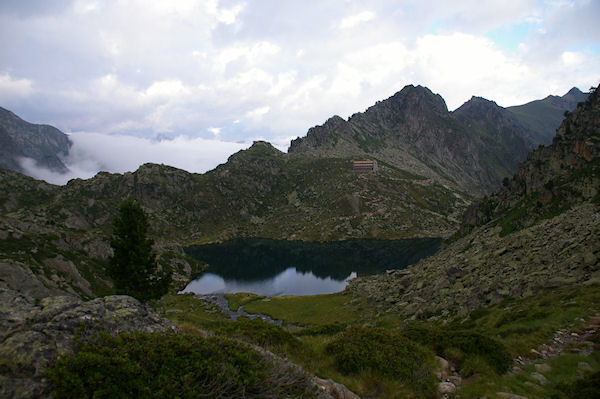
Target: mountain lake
{"type": "Point", "coordinates": [272, 267]}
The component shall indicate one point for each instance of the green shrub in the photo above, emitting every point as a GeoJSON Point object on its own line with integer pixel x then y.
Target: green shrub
{"type": "Point", "coordinates": [380, 352]}
{"type": "Point", "coordinates": [326, 329]}
{"type": "Point", "coordinates": [588, 387]}
{"type": "Point", "coordinates": [166, 366]}
{"type": "Point", "coordinates": [260, 332]}
{"type": "Point", "coordinates": [468, 342]}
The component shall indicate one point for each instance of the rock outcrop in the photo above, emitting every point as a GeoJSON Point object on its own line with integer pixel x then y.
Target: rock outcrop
{"type": "Point", "coordinates": [45, 145]}
{"type": "Point", "coordinates": [34, 333]}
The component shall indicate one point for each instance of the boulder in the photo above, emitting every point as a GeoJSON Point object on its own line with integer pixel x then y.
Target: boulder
{"type": "Point", "coordinates": [35, 333]}
{"type": "Point", "coordinates": [334, 390]}
{"type": "Point", "coordinates": [446, 388]}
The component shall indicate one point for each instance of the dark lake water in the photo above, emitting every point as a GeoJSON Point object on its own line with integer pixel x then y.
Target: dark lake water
{"type": "Point", "coordinates": [272, 268]}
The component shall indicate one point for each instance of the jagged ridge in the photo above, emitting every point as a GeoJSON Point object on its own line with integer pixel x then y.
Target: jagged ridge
{"type": "Point", "coordinates": [539, 231]}
{"type": "Point", "coordinates": [470, 149]}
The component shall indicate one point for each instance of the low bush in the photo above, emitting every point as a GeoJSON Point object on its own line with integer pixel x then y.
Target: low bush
{"type": "Point", "coordinates": [445, 340]}
{"type": "Point", "coordinates": [260, 332]}
{"type": "Point", "coordinates": [588, 387]}
{"type": "Point", "coordinates": [327, 329]}
{"type": "Point", "coordinates": [380, 352]}
{"type": "Point", "coordinates": [142, 365]}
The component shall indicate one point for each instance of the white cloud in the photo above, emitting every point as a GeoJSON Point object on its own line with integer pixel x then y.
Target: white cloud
{"type": "Point", "coordinates": [14, 88]}
{"type": "Point", "coordinates": [352, 20]}
{"type": "Point", "coordinates": [216, 131]}
{"type": "Point", "coordinates": [461, 65]}
{"type": "Point", "coordinates": [167, 89]}
{"type": "Point", "coordinates": [85, 6]}
{"type": "Point", "coordinates": [229, 15]}
{"type": "Point", "coordinates": [93, 152]}
{"type": "Point", "coordinates": [257, 114]}
{"type": "Point", "coordinates": [572, 58]}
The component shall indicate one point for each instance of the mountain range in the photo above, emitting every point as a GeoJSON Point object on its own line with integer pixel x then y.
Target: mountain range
{"type": "Point", "coordinates": [510, 260]}
{"type": "Point", "coordinates": [431, 164]}
{"type": "Point", "coordinates": [470, 149]}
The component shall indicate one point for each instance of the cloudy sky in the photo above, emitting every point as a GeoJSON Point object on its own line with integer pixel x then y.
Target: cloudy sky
{"type": "Point", "coordinates": [188, 82]}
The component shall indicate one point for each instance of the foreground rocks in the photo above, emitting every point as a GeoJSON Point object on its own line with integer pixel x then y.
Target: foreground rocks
{"type": "Point", "coordinates": [34, 333]}
{"type": "Point", "coordinates": [483, 268]}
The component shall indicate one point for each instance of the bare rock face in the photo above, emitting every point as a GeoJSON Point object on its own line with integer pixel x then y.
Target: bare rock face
{"type": "Point", "coordinates": [42, 143]}
{"type": "Point", "coordinates": [34, 333]}
{"type": "Point", "coordinates": [552, 178]}
{"type": "Point", "coordinates": [471, 149]}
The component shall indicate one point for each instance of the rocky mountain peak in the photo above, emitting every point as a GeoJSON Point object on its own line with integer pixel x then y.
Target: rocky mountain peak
{"type": "Point", "coordinates": [259, 152]}
{"type": "Point", "coordinates": [569, 100]}
{"type": "Point", "coordinates": [574, 93]}
{"type": "Point", "coordinates": [478, 106]}
{"type": "Point", "coordinates": [42, 143]}
{"type": "Point", "coordinates": [411, 100]}
{"type": "Point", "coordinates": [260, 147]}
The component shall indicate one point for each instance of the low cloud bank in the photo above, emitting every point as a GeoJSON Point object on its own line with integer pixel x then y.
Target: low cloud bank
{"type": "Point", "coordinates": [95, 152]}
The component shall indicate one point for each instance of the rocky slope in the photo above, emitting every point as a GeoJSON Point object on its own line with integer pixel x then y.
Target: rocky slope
{"type": "Point", "coordinates": [42, 143]}
{"type": "Point", "coordinates": [471, 149]}
{"type": "Point", "coordinates": [484, 268]}
{"type": "Point", "coordinates": [540, 230]}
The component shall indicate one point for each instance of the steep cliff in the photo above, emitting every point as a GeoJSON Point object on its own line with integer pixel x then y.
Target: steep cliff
{"type": "Point", "coordinates": [42, 143]}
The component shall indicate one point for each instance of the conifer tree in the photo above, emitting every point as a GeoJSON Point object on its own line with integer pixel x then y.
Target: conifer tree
{"type": "Point", "coordinates": [133, 267]}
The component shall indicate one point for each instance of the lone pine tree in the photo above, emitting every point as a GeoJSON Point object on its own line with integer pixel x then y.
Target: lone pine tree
{"type": "Point", "coordinates": [133, 267]}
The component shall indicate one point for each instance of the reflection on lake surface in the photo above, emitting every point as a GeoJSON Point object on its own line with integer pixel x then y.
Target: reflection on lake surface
{"type": "Point", "coordinates": [288, 282]}
{"type": "Point", "coordinates": [271, 267]}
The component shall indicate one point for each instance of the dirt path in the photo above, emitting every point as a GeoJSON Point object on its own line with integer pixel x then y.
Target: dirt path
{"type": "Point", "coordinates": [563, 339]}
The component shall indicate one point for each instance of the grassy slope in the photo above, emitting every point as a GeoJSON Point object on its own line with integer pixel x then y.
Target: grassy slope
{"type": "Point", "coordinates": [316, 321]}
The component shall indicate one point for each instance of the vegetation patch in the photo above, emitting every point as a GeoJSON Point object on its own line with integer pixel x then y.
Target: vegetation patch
{"type": "Point", "coordinates": [262, 333]}
{"type": "Point", "coordinates": [384, 353]}
{"type": "Point", "coordinates": [170, 366]}
{"type": "Point", "coordinates": [458, 344]}
{"type": "Point", "coordinates": [524, 324]}
{"type": "Point", "coordinates": [587, 387]}
{"type": "Point", "coordinates": [310, 310]}
{"type": "Point", "coordinates": [237, 300]}
{"type": "Point", "coordinates": [190, 313]}
{"type": "Point", "coordinates": [326, 329]}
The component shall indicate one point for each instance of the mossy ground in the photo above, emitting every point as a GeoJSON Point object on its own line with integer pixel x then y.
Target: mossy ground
{"type": "Point", "coordinates": [315, 310]}
{"type": "Point", "coordinates": [241, 299]}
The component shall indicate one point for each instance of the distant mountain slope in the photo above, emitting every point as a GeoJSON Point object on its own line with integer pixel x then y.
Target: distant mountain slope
{"type": "Point", "coordinates": [552, 179]}
{"type": "Point", "coordinates": [42, 143]}
{"type": "Point", "coordinates": [542, 117]}
{"type": "Point", "coordinates": [471, 149]}
{"type": "Point", "coordinates": [539, 231]}
{"type": "Point", "coordinates": [259, 192]}
{"type": "Point", "coordinates": [61, 232]}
